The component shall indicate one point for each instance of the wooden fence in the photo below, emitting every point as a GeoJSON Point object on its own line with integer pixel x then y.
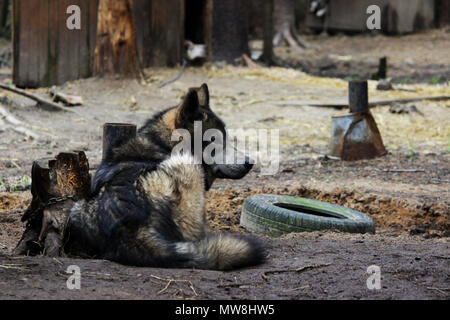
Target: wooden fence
{"type": "Point", "coordinates": [159, 26]}
{"type": "Point", "coordinates": [46, 52]}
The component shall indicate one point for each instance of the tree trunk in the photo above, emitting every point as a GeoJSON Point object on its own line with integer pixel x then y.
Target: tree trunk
{"type": "Point", "coordinates": [285, 25]}
{"type": "Point", "coordinates": [267, 56]}
{"type": "Point", "coordinates": [116, 50]}
{"type": "Point", "coordinates": [230, 30]}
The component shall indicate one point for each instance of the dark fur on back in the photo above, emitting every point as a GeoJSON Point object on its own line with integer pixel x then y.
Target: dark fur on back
{"type": "Point", "coordinates": [146, 207]}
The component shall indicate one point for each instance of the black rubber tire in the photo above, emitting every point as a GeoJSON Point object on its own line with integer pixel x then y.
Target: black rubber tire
{"type": "Point", "coordinates": [262, 214]}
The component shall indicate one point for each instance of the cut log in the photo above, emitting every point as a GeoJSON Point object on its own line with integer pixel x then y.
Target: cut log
{"type": "Point", "coordinates": [72, 173]}
{"type": "Point", "coordinates": [56, 184]}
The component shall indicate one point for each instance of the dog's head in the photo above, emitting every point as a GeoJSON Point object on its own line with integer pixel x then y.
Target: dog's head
{"type": "Point", "coordinates": [195, 109]}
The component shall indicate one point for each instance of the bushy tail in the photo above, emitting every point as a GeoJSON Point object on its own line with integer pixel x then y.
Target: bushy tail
{"type": "Point", "coordinates": [223, 252]}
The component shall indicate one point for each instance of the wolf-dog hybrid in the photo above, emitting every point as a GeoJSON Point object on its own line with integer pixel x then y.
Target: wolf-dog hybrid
{"type": "Point", "coordinates": [146, 206]}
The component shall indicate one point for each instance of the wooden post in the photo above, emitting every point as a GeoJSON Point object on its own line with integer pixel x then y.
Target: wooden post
{"type": "Point", "coordinates": [56, 184]}
{"type": "Point", "coordinates": [358, 96]}
{"type": "Point", "coordinates": [382, 68]}
{"type": "Point", "coordinates": [115, 134]}
{"type": "Point", "coordinates": [267, 55]}
{"type": "Point", "coordinates": [229, 30]}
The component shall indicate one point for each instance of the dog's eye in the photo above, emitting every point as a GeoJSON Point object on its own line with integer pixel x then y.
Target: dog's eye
{"type": "Point", "coordinates": [205, 117]}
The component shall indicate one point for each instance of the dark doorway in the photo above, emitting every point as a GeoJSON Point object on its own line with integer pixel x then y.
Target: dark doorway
{"type": "Point", "coordinates": [195, 21]}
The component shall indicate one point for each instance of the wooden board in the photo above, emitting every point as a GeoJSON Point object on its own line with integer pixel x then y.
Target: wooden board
{"type": "Point", "coordinates": [159, 28]}
{"type": "Point", "coordinates": [45, 51]}
{"type": "Point", "coordinates": [116, 50]}
{"type": "Point", "coordinates": [229, 30]}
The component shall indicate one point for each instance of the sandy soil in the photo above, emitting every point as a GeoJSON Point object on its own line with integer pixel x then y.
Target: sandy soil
{"type": "Point", "coordinates": [410, 209]}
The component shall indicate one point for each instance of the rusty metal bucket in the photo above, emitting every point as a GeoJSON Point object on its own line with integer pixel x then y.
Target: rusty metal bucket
{"type": "Point", "coordinates": [355, 135]}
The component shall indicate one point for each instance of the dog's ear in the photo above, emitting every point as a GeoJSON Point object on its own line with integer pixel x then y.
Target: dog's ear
{"type": "Point", "coordinates": [188, 111]}
{"type": "Point", "coordinates": [203, 96]}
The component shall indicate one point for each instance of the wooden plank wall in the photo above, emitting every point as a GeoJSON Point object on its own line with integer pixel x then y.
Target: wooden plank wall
{"type": "Point", "coordinates": [159, 31]}
{"type": "Point", "coordinates": [45, 51]}
{"type": "Point", "coordinates": [5, 30]}
{"type": "Point", "coordinates": [229, 30]}
{"type": "Point", "coordinates": [116, 50]}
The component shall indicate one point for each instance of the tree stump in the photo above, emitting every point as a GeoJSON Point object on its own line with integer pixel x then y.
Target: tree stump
{"type": "Point", "coordinates": [56, 184]}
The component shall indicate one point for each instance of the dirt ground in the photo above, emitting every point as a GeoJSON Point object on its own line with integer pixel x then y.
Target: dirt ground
{"type": "Point", "coordinates": [411, 59]}
{"type": "Point", "coordinates": [411, 268]}
{"type": "Point", "coordinates": [410, 208]}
